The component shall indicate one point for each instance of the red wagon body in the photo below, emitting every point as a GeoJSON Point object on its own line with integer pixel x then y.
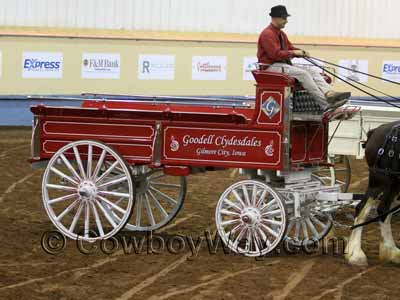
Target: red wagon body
{"type": "Point", "coordinates": [180, 136]}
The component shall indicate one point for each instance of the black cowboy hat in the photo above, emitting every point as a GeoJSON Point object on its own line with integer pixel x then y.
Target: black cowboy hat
{"type": "Point", "coordinates": [279, 11]}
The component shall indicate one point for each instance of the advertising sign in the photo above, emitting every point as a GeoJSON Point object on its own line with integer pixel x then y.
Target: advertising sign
{"type": "Point", "coordinates": [306, 64]}
{"type": "Point", "coordinates": [156, 67]}
{"type": "Point", "coordinates": [354, 65]}
{"type": "Point", "coordinates": [249, 64]}
{"type": "Point", "coordinates": [209, 67]}
{"type": "Point", "coordinates": [101, 65]}
{"type": "Point", "coordinates": [391, 70]}
{"type": "Point", "coordinates": [42, 65]}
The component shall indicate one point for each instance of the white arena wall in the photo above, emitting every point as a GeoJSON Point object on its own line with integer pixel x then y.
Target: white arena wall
{"type": "Point", "coordinates": [336, 18]}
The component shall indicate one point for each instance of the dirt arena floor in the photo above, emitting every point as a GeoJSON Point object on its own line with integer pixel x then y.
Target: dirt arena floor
{"type": "Point", "coordinates": [28, 272]}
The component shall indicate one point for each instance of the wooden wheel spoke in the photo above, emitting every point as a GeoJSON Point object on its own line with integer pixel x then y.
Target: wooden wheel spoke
{"type": "Point", "coordinates": [111, 204]}
{"type": "Point", "coordinates": [229, 213]}
{"type": "Point", "coordinates": [149, 211]}
{"type": "Point", "coordinates": [63, 198]}
{"type": "Point", "coordinates": [254, 195]}
{"type": "Point", "coordinates": [139, 210]}
{"type": "Point", "coordinates": [97, 219]}
{"type": "Point", "coordinates": [76, 217]}
{"type": "Point", "coordinates": [79, 162]}
{"type": "Point", "coordinates": [107, 172]}
{"type": "Point", "coordinates": [312, 228]}
{"type": "Point", "coordinates": [99, 164]}
{"type": "Point", "coordinates": [238, 198]}
{"type": "Point", "coordinates": [113, 181]}
{"type": "Point", "coordinates": [62, 175]}
{"type": "Point", "coordinates": [106, 214]}
{"type": "Point", "coordinates": [158, 204]}
{"type": "Point", "coordinates": [165, 196]}
{"type": "Point", "coordinates": [87, 220]}
{"type": "Point", "coordinates": [124, 195]}
{"type": "Point", "coordinates": [61, 187]}
{"type": "Point", "coordinates": [269, 230]}
{"type": "Point", "coordinates": [89, 161]}
{"type": "Point", "coordinates": [70, 167]}
{"type": "Point", "coordinates": [230, 222]}
{"type": "Point", "coordinates": [246, 194]}
{"type": "Point", "coordinates": [165, 184]}
{"type": "Point", "coordinates": [233, 205]}
{"type": "Point", "coordinates": [67, 210]}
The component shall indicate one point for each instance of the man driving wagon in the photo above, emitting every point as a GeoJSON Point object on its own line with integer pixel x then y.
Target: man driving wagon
{"type": "Point", "coordinates": [275, 52]}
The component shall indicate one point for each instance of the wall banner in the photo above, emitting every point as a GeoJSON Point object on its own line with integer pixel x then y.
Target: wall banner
{"type": "Point", "coordinates": [249, 64]}
{"type": "Point", "coordinates": [156, 67]}
{"type": "Point", "coordinates": [356, 65]}
{"type": "Point", "coordinates": [42, 65]}
{"type": "Point", "coordinates": [391, 70]}
{"type": "Point", "coordinates": [209, 67]}
{"type": "Point", "coordinates": [308, 65]}
{"type": "Point", "coordinates": [101, 65]}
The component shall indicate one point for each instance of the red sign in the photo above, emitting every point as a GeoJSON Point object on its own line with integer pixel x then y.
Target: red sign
{"type": "Point", "coordinates": [222, 145]}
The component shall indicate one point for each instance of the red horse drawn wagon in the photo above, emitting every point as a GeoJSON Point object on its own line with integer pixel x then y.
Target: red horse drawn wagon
{"type": "Point", "coordinates": [114, 163]}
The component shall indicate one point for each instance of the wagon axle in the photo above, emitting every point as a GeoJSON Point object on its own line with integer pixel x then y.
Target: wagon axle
{"type": "Point", "coordinates": [88, 190]}
{"type": "Point", "coordinates": [251, 216]}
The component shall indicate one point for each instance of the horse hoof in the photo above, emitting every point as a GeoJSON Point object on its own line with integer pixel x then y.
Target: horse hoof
{"type": "Point", "coordinates": [357, 258]}
{"type": "Point", "coordinates": [389, 254]}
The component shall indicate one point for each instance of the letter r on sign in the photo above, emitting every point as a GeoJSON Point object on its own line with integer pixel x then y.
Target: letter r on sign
{"type": "Point", "coordinates": [146, 67]}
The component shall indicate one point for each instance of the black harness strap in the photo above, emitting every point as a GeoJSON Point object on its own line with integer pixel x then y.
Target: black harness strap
{"type": "Point", "coordinates": [384, 215]}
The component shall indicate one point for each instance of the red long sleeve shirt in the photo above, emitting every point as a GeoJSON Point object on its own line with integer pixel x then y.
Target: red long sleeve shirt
{"type": "Point", "coordinates": [269, 46]}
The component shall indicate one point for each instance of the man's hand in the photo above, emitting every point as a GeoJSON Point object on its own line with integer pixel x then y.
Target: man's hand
{"type": "Point", "coordinates": [301, 53]}
{"type": "Point", "coordinates": [298, 53]}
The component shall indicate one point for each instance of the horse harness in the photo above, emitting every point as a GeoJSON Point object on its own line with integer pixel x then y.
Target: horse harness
{"type": "Point", "coordinates": [387, 163]}
{"type": "Point", "coordinates": [388, 156]}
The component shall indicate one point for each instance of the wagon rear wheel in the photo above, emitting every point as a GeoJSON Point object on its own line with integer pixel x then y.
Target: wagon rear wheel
{"type": "Point", "coordinates": [251, 218]}
{"type": "Point", "coordinates": [79, 199]}
{"type": "Point", "coordinates": [159, 198]}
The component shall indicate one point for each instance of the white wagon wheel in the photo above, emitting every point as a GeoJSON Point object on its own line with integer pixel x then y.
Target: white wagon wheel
{"type": "Point", "coordinates": [339, 173]}
{"type": "Point", "coordinates": [251, 218]}
{"type": "Point", "coordinates": [311, 227]}
{"type": "Point", "coordinates": [79, 199]}
{"type": "Point", "coordinates": [159, 198]}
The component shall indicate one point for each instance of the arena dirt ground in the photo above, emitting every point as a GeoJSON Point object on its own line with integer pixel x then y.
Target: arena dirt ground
{"type": "Point", "coordinates": [27, 272]}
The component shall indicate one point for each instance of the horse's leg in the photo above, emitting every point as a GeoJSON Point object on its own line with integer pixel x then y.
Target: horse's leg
{"type": "Point", "coordinates": [354, 254]}
{"type": "Point", "coordinates": [388, 251]}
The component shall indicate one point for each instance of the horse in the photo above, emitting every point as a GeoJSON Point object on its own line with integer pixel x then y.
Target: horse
{"type": "Point", "coordinates": [382, 153]}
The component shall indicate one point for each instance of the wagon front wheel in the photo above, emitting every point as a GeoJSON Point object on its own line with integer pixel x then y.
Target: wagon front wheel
{"type": "Point", "coordinates": [251, 218]}
{"type": "Point", "coordinates": [80, 200]}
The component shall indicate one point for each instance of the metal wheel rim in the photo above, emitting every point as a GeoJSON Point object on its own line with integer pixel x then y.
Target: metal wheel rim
{"type": "Point", "coordinates": [331, 176]}
{"type": "Point", "coordinates": [86, 187]}
{"type": "Point", "coordinates": [259, 219]}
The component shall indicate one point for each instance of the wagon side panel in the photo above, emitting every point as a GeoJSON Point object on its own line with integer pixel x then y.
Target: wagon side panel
{"type": "Point", "coordinates": [133, 141]}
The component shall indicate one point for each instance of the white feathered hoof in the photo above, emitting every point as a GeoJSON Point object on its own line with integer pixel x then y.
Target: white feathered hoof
{"type": "Point", "coordinates": [356, 258]}
{"type": "Point", "coordinates": [389, 254]}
